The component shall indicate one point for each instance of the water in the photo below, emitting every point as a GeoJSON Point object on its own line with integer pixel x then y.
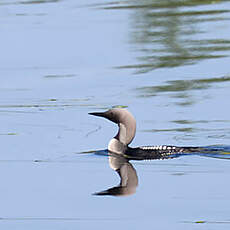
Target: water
{"type": "Point", "coordinates": [166, 61]}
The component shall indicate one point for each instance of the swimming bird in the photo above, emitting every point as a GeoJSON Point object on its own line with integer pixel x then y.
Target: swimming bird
{"type": "Point", "coordinates": [126, 132]}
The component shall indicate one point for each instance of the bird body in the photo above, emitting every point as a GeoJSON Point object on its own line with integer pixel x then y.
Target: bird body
{"type": "Point", "coordinates": [126, 132]}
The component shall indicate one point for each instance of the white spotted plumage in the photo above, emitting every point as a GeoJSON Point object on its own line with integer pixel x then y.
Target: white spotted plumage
{"type": "Point", "coordinates": [158, 147]}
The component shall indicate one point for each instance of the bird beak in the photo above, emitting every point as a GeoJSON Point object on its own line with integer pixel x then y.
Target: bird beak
{"type": "Point", "coordinates": [98, 114]}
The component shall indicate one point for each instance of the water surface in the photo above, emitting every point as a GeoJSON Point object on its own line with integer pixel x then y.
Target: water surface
{"type": "Point", "coordinates": [167, 62]}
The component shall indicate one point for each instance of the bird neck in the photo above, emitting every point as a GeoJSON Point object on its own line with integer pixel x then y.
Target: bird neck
{"type": "Point", "coordinates": [122, 134]}
{"type": "Point", "coordinates": [125, 135]}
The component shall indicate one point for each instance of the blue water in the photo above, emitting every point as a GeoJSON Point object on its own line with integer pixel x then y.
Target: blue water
{"type": "Point", "coordinates": [167, 62]}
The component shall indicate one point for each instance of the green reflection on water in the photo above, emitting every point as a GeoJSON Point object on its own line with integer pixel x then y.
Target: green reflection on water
{"type": "Point", "coordinates": [37, 1]}
{"type": "Point", "coordinates": [27, 2]}
{"type": "Point", "coordinates": [59, 76]}
{"type": "Point", "coordinates": [157, 4]}
{"type": "Point", "coordinates": [172, 33]}
{"type": "Point", "coordinates": [188, 122]}
{"type": "Point", "coordinates": [181, 86]}
{"type": "Point", "coordinates": [180, 89]}
{"type": "Point", "coordinates": [184, 130]}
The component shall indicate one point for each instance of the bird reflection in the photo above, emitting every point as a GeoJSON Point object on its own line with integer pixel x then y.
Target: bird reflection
{"type": "Point", "coordinates": [128, 177]}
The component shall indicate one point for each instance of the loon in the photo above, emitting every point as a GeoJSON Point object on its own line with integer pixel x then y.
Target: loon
{"type": "Point", "coordinates": [126, 133]}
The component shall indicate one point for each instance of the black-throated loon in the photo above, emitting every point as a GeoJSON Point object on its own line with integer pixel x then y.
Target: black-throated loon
{"type": "Point", "coordinates": [126, 133]}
